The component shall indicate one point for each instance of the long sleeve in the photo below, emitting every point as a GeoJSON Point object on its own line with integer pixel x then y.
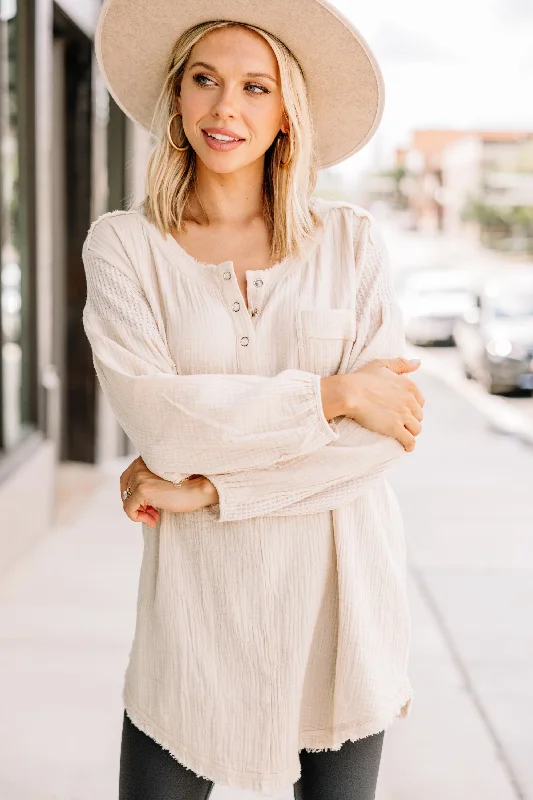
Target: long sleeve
{"type": "Point", "coordinates": [343, 470]}
{"type": "Point", "coordinates": [193, 424]}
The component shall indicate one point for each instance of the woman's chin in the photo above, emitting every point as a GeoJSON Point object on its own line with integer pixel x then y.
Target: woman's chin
{"type": "Point", "coordinates": [225, 163]}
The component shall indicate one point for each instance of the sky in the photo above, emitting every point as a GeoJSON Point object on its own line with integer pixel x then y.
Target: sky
{"type": "Point", "coordinates": [457, 64]}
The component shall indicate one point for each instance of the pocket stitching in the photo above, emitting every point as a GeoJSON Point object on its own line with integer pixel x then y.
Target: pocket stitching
{"type": "Point", "coordinates": [307, 332]}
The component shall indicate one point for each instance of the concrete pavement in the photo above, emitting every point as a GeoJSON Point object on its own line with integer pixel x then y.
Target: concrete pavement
{"type": "Point", "coordinates": [467, 506]}
{"type": "Point", "coordinates": [67, 616]}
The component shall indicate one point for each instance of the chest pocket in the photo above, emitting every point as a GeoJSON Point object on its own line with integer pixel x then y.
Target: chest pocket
{"type": "Point", "coordinates": [325, 340]}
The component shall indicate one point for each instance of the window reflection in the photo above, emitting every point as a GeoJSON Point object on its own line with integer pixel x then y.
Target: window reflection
{"type": "Point", "coordinates": [11, 273]}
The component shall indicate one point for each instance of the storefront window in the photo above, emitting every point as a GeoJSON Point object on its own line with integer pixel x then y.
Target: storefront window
{"type": "Point", "coordinates": [12, 401]}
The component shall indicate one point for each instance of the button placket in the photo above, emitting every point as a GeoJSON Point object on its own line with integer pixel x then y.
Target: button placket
{"type": "Point", "coordinates": [242, 324]}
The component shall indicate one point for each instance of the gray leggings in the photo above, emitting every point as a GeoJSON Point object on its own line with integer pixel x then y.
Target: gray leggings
{"type": "Point", "coordinates": [147, 772]}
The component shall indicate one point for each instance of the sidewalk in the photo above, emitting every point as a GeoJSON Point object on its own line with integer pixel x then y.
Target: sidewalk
{"type": "Point", "coordinates": [466, 501]}
{"type": "Point", "coordinates": [67, 617]}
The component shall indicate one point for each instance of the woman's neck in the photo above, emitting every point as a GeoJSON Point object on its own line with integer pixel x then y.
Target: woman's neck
{"type": "Point", "coordinates": [233, 199]}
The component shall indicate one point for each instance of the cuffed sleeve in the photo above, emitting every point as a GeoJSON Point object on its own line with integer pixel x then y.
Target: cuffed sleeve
{"type": "Point", "coordinates": [194, 424]}
{"type": "Point", "coordinates": [344, 469]}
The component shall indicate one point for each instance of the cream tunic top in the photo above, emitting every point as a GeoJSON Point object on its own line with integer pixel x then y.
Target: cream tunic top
{"type": "Point", "coordinates": [278, 619]}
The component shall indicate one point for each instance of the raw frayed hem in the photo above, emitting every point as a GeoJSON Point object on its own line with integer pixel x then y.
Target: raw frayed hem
{"type": "Point", "coordinates": [267, 785]}
{"type": "Point", "coordinates": [218, 774]}
{"type": "Point", "coordinates": [361, 730]}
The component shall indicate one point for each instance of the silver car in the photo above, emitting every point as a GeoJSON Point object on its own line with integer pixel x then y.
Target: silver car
{"type": "Point", "coordinates": [495, 340]}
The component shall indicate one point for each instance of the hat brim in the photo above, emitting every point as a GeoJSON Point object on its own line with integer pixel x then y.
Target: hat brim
{"type": "Point", "coordinates": [134, 39]}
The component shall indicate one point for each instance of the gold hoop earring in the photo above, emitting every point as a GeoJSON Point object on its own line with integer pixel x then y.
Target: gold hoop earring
{"type": "Point", "coordinates": [169, 134]}
{"type": "Point", "coordinates": [284, 163]}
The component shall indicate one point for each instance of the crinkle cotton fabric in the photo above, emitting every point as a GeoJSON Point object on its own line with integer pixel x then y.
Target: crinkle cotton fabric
{"type": "Point", "coordinates": [277, 619]}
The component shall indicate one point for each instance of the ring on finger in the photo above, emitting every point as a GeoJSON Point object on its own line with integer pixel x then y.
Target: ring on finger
{"type": "Point", "coordinates": [127, 493]}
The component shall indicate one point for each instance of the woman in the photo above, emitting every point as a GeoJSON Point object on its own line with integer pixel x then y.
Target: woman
{"type": "Point", "coordinates": [247, 337]}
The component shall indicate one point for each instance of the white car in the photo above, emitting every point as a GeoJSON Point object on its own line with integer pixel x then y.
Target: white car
{"type": "Point", "coordinates": [432, 300]}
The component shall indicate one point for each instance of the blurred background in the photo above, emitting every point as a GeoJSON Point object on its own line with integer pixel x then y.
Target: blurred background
{"type": "Point", "coordinates": [449, 174]}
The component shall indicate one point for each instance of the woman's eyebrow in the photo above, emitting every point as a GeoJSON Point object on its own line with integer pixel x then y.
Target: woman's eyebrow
{"type": "Point", "coordinates": [260, 75]}
{"type": "Point", "coordinates": [247, 75]}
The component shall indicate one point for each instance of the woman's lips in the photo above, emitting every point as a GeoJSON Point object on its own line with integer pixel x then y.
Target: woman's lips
{"type": "Point", "coordinates": [216, 144]}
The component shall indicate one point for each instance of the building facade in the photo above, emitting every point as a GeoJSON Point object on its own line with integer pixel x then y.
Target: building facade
{"type": "Point", "coordinates": [68, 155]}
{"type": "Point", "coordinates": [446, 167]}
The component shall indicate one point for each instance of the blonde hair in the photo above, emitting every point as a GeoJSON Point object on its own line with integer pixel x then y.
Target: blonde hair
{"type": "Point", "coordinates": [287, 190]}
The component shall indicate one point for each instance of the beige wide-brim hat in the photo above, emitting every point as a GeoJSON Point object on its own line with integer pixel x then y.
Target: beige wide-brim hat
{"type": "Point", "coordinates": [134, 39]}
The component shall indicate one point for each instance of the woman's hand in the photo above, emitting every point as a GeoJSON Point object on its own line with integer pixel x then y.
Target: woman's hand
{"type": "Point", "coordinates": [150, 493]}
{"type": "Point", "coordinates": [380, 397]}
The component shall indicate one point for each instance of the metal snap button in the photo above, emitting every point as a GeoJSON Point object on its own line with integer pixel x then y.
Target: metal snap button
{"type": "Point", "coordinates": [227, 276]}
{"type": "Point", "coordinates": [244, 341]}
{"type": "Point", "coordinates": [254, 312]}
{"type": "Point", "coordinates": [236, 306]}
{"type": "Point", "coordinates": [258, 283]}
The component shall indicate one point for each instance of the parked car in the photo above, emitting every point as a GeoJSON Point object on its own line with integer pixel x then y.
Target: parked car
{"type": "Point", "coordinates": [432, 300]}
{"type": "Point", "coordinates": [495, 338]}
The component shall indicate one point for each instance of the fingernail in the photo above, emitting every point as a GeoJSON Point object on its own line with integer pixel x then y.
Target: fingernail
{"type": "Point", "coordinates": [415, 361]}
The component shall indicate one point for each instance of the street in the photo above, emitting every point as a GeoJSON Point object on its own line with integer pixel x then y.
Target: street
{"type": "Point", "coordinates": [67, 619]}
